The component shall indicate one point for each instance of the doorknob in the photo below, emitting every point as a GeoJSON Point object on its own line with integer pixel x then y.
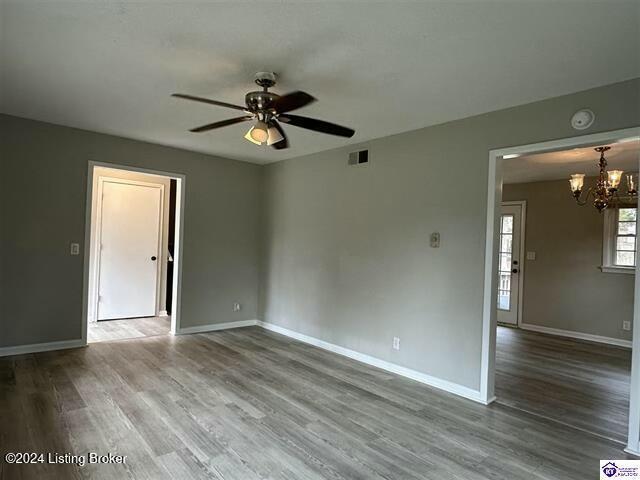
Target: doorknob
{"type": "Point", "coordinates": [153, 258]}
{"type": "Point", "coordinates": [515, 270]}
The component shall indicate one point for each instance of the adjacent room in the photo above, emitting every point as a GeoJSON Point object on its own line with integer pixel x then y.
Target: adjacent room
{"type": "Point", "coordinates": [319, 240]}
{"type": "Point", "coordinates": [566, 285]}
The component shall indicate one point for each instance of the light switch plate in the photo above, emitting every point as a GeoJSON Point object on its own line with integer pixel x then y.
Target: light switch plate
{"type": "Point", "coordinates": [626, 325]}
{"type": "Point", "coordinates": [531, 255]}
{"type": "Point", "coordinates": [434, 240]}
{"type": "Point", "coordinates": [74, 249]}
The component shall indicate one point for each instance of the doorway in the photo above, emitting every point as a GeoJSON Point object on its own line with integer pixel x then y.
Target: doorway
{"type": "Point", "coordinates": [132, 254]}
{"type": "Point", "coordinates": [554, 344]}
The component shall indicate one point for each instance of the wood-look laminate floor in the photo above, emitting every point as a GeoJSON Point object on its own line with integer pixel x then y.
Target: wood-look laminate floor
{"type": "Point", "coordinates": [582, 384]}
{"type": "Point", "coordinates": [128, 328]}
{"type": "Point", "coordinates": [250, 404]}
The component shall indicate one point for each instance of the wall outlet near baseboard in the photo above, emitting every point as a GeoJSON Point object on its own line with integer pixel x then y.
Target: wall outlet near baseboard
{"type": "Point", "coordinates": [237, 307]}
{"type": "Point", "coordinates": [626, 325]}
{"type": "Point", "coordinates": [396, 343]}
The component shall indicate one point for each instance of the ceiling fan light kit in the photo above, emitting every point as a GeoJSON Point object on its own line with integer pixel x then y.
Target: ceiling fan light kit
{"type": "Point", "coordinates": [267, 109]}
{"type": "Point", "coordinates": [605, 191]}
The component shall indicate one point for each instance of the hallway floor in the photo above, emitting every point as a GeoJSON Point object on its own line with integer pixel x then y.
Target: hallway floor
{"type": "Point", "coordinates": [108, 330]}
{"type": "Point", "coordinates": [581, 384]}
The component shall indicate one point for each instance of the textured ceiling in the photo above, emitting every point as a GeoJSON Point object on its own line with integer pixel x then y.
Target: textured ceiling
{"type": "Point", "coordinates": [381, 68]}
{"type": "Point", "coordinates": [560, 165]}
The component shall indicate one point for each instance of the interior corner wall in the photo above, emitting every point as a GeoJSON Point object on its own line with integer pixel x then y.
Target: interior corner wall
{"type": "Point", "coordinates": [346, 255]}
{"type": "Point", "coordinates": [564, 287]}
{"type": "Point", "coordinates": [43, 195]}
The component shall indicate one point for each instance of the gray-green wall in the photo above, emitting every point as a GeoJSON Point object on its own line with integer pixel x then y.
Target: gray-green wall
{"type": "Point", "coordinates": [346, 253]}
{"type": "Point", "coordinates": [343, 251]}
{"type": "Point", "coordinates": [43, 187]}
{"type": "Point", "coordinates": [564, 287]}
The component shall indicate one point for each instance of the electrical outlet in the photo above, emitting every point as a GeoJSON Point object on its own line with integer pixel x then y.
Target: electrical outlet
{"type": "Point", "coordinates": [396, 343]}
{"type": "Point", "coordinates": [626, 325]}
{"type": "Point", "coordinates": [74, 249]}
{"type": "Point", "coordinates": [237, 307]}
{"type": "Point", "coordinates": [434, 240]}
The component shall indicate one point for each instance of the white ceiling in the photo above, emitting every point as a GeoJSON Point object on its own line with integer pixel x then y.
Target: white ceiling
{"type": "Point", "coordinates": [560, 165]}
{"type": "Point", "coordinates": [381, 68]}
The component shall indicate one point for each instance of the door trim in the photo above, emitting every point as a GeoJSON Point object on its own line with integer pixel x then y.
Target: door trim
{"type": "Point", "coordinates": [181, 181]}
{"type": "Point", "coordinates": [523, 254]}
{"type": "Point", "coordinates": [97, 240]}
{"type": "Point", "coordinates": [494, 198]}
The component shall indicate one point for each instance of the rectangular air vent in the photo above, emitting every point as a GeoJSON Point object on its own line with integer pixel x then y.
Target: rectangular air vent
{"type": "Point", "coordinates": [358, 158]}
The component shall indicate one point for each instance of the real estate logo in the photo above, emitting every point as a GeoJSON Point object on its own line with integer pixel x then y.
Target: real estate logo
{"type": "Point", "coordinates": [619, 469]}
{"type": "Point", "coordinates": [609, 469]}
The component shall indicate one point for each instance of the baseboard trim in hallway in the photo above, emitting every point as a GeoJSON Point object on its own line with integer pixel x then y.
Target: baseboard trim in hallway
{"type": "Point", "coordinates": [445, 385]}
{"type": "Point", "coordinates": [577, 335]}
{"type": "Point", "coordinates": [40, 347]}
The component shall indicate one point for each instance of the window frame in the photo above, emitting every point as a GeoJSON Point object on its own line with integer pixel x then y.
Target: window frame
{"type": "Point", "coordinates": [611, 216]}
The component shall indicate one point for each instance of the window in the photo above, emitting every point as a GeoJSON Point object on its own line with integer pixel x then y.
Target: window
{"type": "Point", "coordinates": [504, 267]}
{"type": "Point", "coordinates": [619, 244]}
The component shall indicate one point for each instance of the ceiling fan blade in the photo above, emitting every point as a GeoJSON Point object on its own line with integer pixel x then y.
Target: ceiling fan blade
{"type": "Point", "coordinates": [284, 143]}
{"type": "Point", "coordinates": [292, 101]}
{"type": "Point", "coordinates": [317, 125]}
{"type": "Point", "coordinates": [223, 123]}
{"type": "Point", "coordinates": [210, 102]}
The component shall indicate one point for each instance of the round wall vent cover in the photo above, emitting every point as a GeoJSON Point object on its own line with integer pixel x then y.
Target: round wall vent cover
{"type": "Point", "coordinates": [583, 119]}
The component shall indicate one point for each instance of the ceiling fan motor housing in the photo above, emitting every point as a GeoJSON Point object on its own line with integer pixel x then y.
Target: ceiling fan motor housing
{"type": "Point", "coordinates": [260, 101]}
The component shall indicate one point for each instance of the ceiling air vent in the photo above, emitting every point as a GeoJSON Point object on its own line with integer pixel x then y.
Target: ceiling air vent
{"type": "Point", "coordinates": [358, 158]}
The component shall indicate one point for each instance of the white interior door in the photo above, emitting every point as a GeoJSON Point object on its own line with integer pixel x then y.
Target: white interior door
{"type": "Point", "coordinates": [509, 263]}
{"type": "Point", "coordinates": [130, 219]}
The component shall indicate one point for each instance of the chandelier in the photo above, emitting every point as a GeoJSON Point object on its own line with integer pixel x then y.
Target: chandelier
{"type": "Point", "coordinates": [605, 191]}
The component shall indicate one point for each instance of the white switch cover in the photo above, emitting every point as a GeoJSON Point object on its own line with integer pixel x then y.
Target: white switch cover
{"type": "Point", "coordinates": [74, 249]}
{"type": "Point", "coordinates": [237, 307]}
{"type": "Point", "coordinates": [396, 343]}
{"type": "Point", "coordinates": [626, 325]}
{"type": "Point", "coordinates": [531, 255]}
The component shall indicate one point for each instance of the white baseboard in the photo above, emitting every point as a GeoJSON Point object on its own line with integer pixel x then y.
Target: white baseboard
{"type": "Point", "coordinates": [40, 347]}
{"type": "Point", "coordinates": [579, 335]}
{"type": "Point", "coordinates": [382, 364]}
{"type": "Point", "coordinates": [212, 327]}
{"type": "Point", "coordinates": [632, 451]}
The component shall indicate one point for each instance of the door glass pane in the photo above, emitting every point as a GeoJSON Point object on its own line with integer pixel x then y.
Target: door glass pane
{"type": "Point", "coordinates": [505, 243]}
{"type": "Point", "coordinates": [505, 263]}
{"type": "Point", "coordinates": [507, 224]}
{"type": "Point", "coordinates": [504, 300]}
{"type": "Point", "coordinates": [505, 259]}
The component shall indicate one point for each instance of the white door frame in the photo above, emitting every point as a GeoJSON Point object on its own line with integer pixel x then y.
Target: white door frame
{"type": "Point", "coordinates": [523, 228]}
{"type": "Point", "coordinates": [489, 313]}
{"type": "Point", "coordinates": [96, 240]}
{"type": "Point", "coordinates": [179, 237]}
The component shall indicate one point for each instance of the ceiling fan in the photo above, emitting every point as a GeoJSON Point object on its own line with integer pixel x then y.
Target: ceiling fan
{"type": "Point", "coordinates": [268, 109]}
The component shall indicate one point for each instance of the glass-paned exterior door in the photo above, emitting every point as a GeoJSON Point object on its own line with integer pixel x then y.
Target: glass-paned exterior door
{"type": "Point", "coordinates": [509, 263]}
